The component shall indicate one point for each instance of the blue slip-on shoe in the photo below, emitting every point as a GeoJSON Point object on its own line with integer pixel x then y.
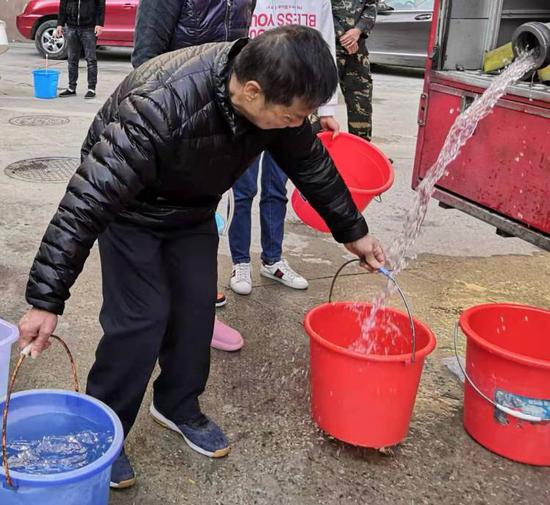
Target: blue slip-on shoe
{"type": "Point", "coordinates": [202, 435]}
{"type": "Point", "coordinates": [122, 473]}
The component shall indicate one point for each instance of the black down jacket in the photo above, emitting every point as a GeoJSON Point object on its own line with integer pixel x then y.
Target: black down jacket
{"type": "Point", "coordinates": [83, 13]}
{"type": "Point", "coordinates": [166, 25]}
{"type": "Point", "coordinates": [161, 152]}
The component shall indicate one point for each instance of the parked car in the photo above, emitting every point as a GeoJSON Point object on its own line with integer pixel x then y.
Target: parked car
{"type": "Point", "coordinates": [4, 44]}
{"type": "Point", "coordinates": [39, 20]}
{"type": "Point", "coordinates": [400, 36]}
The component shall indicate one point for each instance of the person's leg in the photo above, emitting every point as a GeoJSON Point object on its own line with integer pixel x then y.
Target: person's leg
{"type": "Point", "coordinates": [191, 262]}
{"type": "Point", "coordinates": [272, 216]}
{"type": "Point", "coordinates": [89, 43]}
{"type": "Point", "coordinates": [73, 55]}
{"type": "Point", "coordinates": [244, 190]}
{"type": "Point", "coordinates": [341, 65]}
{"type": "Point", "coordinates": [272, 209]}
{"type": "Point", "coordinates": [134, 318]}
{"type": "Point", "coordinates": [358, 94]}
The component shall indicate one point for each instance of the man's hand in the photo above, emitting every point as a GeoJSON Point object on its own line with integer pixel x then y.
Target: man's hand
{"type": "Point", "coordinates": [98, 30]}
{"type": "Point", "coordinates": [36, 326]}
{"type": "Point", "coordinates": [350, 37]}
{"type": "Point", "coordinates": [354, 48]}
{"type": "Point", "coordinates": [369, 251]}
{"type": "Point", "coordinates": [58, 32]}
{"type": "Point", "coordinates": [330, 123]}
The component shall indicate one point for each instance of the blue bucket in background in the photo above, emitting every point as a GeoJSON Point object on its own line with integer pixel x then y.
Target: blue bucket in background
{"type": "Point", "coordinates": [45, 83]}
{"type": "Point", "coordinates": [8, 335]}
{"type": "Point", "coordinates": [35, 414]}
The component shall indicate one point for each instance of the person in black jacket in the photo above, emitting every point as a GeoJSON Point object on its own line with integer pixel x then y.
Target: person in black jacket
{"type": "Point", "coordinates": [84, 23]}
{"type": "Point", "coordinates": [172, 138]}
{"type": "Point", "coordinates": [175, 24]}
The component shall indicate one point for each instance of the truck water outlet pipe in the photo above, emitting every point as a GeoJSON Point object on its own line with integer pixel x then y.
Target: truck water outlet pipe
{"type": "Point", "coordinates": [533, 36]}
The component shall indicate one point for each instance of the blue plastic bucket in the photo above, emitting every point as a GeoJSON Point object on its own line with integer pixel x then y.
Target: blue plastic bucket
{"type": "Point", "coordinates": [8, 335]}
{"type": "Point", "coordinates": [45, 83]}
{"type": "Point", "coordinates": [85, 486]}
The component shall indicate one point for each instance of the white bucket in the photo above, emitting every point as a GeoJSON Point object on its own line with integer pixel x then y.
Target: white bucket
{"type": "Point", "coordinates": [4, 44]}
{"type": "Point", "coordinates": [8, 335]}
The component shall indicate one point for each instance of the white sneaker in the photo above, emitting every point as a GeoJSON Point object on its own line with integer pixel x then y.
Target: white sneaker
{"type": "Point", "coordinates": [282, 272]}
{"type": "Point", "coordinates": [241, 279]}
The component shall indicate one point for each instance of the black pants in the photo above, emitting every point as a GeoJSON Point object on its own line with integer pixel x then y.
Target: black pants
{"type": "Point", "coordinates": [77, 40]}
{"type": "Point", "coordinates": [158, 302]}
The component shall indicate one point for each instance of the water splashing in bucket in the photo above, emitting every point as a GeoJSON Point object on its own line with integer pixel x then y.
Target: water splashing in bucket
{"type": "Point", "coordinates": [62, 449]}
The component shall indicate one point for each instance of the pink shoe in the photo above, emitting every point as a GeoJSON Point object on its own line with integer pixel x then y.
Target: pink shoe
{"type": "Point", "coordinates": [226, 338]}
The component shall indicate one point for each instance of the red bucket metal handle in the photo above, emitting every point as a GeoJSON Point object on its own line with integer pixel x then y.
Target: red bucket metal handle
{"type": "Point", "coordinates": [514, 413]}
{"type": "Point", "coordinates": [391, 278]}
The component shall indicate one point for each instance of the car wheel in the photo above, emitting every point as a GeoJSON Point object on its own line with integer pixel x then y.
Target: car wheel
{"type": "Point", "coordinates": [47, 44]}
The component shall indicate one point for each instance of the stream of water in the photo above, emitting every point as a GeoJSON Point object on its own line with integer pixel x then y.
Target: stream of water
{"type": "Point", "coordinates": [461, 131]}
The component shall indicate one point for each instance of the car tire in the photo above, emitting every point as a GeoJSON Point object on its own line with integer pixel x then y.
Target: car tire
{"type": "Point", "coordinates": [47, 45]}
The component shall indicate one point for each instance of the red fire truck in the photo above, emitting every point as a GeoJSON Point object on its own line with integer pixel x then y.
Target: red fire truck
{"type": "Point", "coordinates": [502, 175]}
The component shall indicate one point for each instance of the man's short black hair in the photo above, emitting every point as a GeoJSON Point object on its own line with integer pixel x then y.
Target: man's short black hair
{"type": "Point", "coordinates": [290, 62]}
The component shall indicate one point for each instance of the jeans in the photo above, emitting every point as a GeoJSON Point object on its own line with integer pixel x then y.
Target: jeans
{"type": "Point", "coordinates": [78, 39]}
{"type": "Point", "coordinates": [272, 211]}
{"type": "Point", "coordinates": [158, 288]}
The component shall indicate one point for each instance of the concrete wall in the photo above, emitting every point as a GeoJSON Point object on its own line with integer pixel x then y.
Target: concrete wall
{"type": "Point", "coordinates": [8, 10]}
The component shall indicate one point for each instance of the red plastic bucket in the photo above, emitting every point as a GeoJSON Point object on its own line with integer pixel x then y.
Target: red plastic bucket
{"type": "Point", "coordinates": [364, 399]}
{"type": "Point", "coordinates": [508, 361]}
{"type": "Point", "coordinates": [365, 169]}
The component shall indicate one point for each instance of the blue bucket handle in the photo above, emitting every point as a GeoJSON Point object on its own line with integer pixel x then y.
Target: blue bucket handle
{"type": "Point", "coordinates": [25, 353]}
{"type": "Point", "coordinates": [388, 274]}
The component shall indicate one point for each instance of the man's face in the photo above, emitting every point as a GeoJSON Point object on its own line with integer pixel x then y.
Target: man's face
{"type": "Point", "coordinates": [268, 116]}
{"type": "Point", "coordinates": [249, 101]}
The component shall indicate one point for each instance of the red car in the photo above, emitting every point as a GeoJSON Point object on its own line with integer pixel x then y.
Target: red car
{"type": "Point", "coordinates": [39, 20]}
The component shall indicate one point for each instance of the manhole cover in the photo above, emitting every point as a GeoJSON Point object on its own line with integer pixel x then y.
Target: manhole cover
{"type": "Point", "coordinates": [39, 120]}
{"type": "Point", "coordinates": [43, 169]}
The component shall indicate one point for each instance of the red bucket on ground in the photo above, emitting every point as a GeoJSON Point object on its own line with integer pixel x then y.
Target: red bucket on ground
{"type": "Point", "coordinates": [364, 399]}
{"type": "Point", "coordinates": [365, 169]}
{"type": "Point", "coordinates": [508, 360]}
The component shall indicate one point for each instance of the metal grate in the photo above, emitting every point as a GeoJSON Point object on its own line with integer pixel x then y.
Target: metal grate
{"type": "Point", "coordinates": [39, 120]}
{"type": "Point", "coordinates": [43, 169]}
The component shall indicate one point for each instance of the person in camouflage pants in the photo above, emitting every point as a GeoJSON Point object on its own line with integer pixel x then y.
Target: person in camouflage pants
{"type": "Point", "coordinates": [353, 21]}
